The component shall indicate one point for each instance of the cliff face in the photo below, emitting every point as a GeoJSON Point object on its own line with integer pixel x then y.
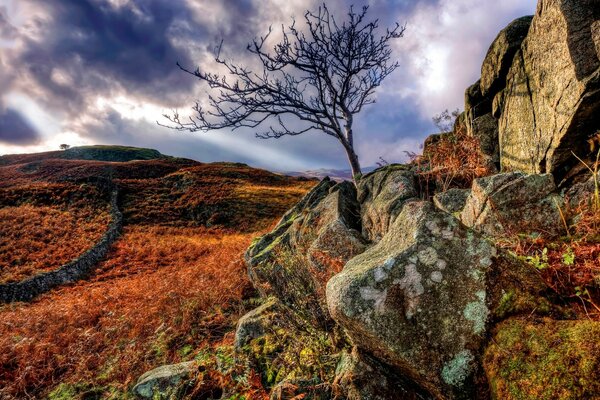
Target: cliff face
{"type": "Point", "coordinates": [539, 94]}
{"type": "Point", "coordinates": [420, 299]}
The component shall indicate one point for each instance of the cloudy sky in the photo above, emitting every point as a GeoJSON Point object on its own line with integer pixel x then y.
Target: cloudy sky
{"type": "Point", "coordinates": [103, 72]}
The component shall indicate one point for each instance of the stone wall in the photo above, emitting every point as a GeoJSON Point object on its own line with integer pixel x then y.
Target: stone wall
{"type": "Point", "coordinates": [77, 269]}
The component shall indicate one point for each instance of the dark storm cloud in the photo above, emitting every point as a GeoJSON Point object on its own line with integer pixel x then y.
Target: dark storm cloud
{"type": "Point", "coordinates": [86, 61]}
{"type": "Point", "coordinates": [15, 130]}
{"type": "Point", "coordinates": [100, 47]}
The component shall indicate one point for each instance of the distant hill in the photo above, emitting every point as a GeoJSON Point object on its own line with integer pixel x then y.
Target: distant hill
{"type": "Point", "coordinates": [93, 153]}
{"type": "Point", "coordinates": [335, 174]}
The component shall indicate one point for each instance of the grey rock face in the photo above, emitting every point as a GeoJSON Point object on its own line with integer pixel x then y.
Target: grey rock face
{"type": "Point", "coordinates": [310, 244]}
{"type": "Point", "coordinates": [513, 202]}
{"type": "Point", "coordinates": [451, 201]}
{"type": "Point", "coordinates": [166, 382]}
{"type": "Point", "coordinates": [552, 96]}
{"type": "Point", "coordinates": [255, 323]}
{"type": "Point", "coordinates": [382, 194]}
{"type": "Point", "coordinates": [418, 299]}
{"type": "Point", "coordinates": [500, 55]}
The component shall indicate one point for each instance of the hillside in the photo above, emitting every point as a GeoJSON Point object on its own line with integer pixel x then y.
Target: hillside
{"type": "Point", "coordinates": [95, 153]}
{"type": "Point", "coordinates": [172, 284]}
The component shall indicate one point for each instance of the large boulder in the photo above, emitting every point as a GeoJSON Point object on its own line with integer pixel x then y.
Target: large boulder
{"type": "Point", "coordinates": [551, 103]}
{"type": "Point", "coordinates": [167, 382]}
{"type": "Point", "coordinates": [514, 203]}
{"type": "Point", "coordinates": [310, 244]}
{"type": "Point", "coordinates": [382, 194]}
{"type": "Point", "coordinates": [500, 55]}
{"type": "Point", "coordinates": [419, 299]}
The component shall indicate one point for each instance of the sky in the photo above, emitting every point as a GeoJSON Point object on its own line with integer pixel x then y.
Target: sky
{"type": "Point", "coordinates": [86, 72]}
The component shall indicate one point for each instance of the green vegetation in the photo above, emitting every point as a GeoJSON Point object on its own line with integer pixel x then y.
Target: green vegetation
{"type": "Point", "coordinates": [544, 360]}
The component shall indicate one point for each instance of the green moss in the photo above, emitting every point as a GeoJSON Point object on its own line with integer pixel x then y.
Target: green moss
{"type": "Point", "coordinates": [544, 360]}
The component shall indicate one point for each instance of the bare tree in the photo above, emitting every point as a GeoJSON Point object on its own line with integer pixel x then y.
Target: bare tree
{"type": "Point", "coordinates": [315, 79]}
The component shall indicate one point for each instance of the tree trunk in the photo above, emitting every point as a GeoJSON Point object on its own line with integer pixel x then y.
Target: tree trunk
{"type": "Point", "coordinates": [354, 164]}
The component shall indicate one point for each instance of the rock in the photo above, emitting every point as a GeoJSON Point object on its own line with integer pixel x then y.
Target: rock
{"type": "Point", "coordinates": [310, 244]}
{"type": "Point", "coordinates": [300, 389]}
{"type": "Point", "coordinates": [480, 123]}
{"type": "Point", "coordinates": [500, 55]}
{"type": "Point", "coordinates": [165, 382]}
{"type": "Point", "coordinates": [581, 194]}
{"type": "Point", "coordinates": [451, 201]}
{"type": "Point", "coordinates": [418, 299]}
{"type": "Point", "coordinates": [361, 377]}
{"type": "Point", "coordinates": [552, 96]}
{"type": "Point", "coordinates": [498, 104]}
{"type": "Point", "coordinates": [255, 323]}
{"type": "Point", "coordinates": [513, 203]}
{"type": "Point", "coordinates": [530, 359]}
{"type": "Point", "coordinates": [474, 97]}
{"type": "Point", "coordinates": [382, 194]}
{"type": "Point", "coordinates": [485, 128]}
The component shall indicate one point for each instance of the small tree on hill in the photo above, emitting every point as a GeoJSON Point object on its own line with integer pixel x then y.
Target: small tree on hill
{"type": "Point", "coordinates": [64, 146]}
{"type": "Point", "coordinates": [313, 80]}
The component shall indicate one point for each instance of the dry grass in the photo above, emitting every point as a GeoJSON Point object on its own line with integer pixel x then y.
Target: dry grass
{"type": "Point", "coordinates": [37, 239]}
{"type": "Point", "coordinates": [173, 284]}
{"type": "Point", "coordinates": [162, 293]}
{"type": "Point", "coordinates": [453, 160]}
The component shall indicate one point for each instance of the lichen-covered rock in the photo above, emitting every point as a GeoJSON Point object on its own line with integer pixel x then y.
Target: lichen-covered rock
{"type": "Point", "coordinates": [452, 200]}
{"type": "Point", "coordinates": [311, 243]}
{"type": "Point", "coordinates": [513, 203]}
{"type": "Point", "coordinates": [255, 323]}
{"type": "Point", "coordinates": [168, 382]}
{"type": "Point", "coordinates": [418, 299]}
{"type": "Point", "coordinates": [499, 57]}
{"type": "Point", "coordinates": [544, 359]}
{"type": "Point", "coordinates": [361, 377]}
{"type": "Point", "coordinates": [382, 194]}
{"type": "Point", "coordinates": [552, 96]}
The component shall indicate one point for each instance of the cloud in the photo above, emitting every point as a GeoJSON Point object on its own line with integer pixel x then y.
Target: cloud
{"type": "Point", "coordinates": [15, 130]}
{"type": "Point", "coordinates": [105, 70]}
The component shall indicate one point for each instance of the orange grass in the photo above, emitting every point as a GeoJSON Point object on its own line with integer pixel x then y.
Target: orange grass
{"type": "Point", "coordinates": [161, 289]}
{"type": "Point", "coordinates": [453, 160]}
{"type": "Point", "coordinates": [37, 239]}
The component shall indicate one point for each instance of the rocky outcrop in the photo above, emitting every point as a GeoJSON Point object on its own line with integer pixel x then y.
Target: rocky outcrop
{"type": "Point", "coordinates": [483, 99]}
{"type": "Point", "coordinates": [310, 244]}
{"type": "Point", "coordinates": [77, 269]}
{"type": "Point", "coordinates": [514, 203]}
{"type": "Point", "coordinates": [500, 55]}
{"type": "Point", "coordinates": [418, 299]}
{"type": "Point", "coordinates": [382, 195]}
{"type": "Point", "coordinates": [167, 382]}
{"type": "Point", "coordinates": [551, 102]}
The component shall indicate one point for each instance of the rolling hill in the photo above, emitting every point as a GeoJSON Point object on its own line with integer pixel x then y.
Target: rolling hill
{"type": "Point", "coordinates": [172, 284]}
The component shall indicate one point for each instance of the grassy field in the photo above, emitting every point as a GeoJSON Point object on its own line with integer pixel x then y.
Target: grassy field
{"type": "Point", "coordinates": [172, 286]}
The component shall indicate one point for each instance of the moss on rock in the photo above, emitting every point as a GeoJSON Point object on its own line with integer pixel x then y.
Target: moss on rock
{"type": "Point", "coordinates": [544, 359]}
